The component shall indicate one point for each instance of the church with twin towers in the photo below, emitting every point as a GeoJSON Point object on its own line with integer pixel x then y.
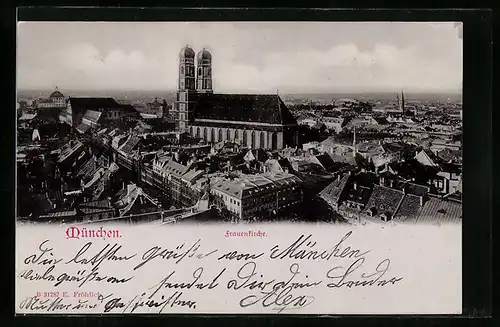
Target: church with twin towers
{"type": "Point", "coordinates": [253, 120]}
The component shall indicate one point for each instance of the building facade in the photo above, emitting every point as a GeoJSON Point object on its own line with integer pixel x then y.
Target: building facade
{"type": "Point", "coordinates": [55, 100]}
{"type": "Point", "coordinates": [253, 120]}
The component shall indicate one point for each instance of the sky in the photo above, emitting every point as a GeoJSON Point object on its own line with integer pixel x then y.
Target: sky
{"type": "Point", "coordinates": [247, 57]}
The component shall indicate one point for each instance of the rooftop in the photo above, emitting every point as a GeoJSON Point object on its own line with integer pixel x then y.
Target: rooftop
{"type": "Point", "coordinates": [247, 185]}
{"type": "Point", "coordinates": [253, 108]}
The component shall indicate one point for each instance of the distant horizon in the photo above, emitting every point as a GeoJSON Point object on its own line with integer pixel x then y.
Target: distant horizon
{"type": "Point", "coordinates": [410, 91]}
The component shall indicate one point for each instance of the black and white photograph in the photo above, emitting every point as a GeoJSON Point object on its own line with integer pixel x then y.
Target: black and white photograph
{"type": "Point", "coordinates": [340, 122]}
{"type": "Point", "coordinates": [238, 167]}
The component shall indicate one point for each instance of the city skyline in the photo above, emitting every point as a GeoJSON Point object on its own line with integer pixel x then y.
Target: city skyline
{"type": "Point", "coordinates": [247, 57]}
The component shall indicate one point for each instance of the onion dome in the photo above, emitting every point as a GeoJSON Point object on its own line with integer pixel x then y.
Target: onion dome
{"type": "Point", "coordinates": [186, 52]}
{"type": "Point", "coordinates": [204, 55]}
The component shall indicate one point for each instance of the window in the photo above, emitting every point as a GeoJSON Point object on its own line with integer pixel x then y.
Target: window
{"type": "Point", "coordinates": [228, 135]}
{"type": "Point", "coordinates": [220, 135]}
{"type": "Point", "coordinates": [182, 69]}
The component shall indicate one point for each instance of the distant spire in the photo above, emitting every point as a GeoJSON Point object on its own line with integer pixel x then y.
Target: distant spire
{"type": "Point", "coordinates": [57, 88]}
{"type": "Point", "coordinates": [354, 142]}
{"type": "Point", "coordinates": [402, 103]}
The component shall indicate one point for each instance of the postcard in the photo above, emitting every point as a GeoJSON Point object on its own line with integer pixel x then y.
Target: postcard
{"type": "Point", "coordinates": [239, 168]}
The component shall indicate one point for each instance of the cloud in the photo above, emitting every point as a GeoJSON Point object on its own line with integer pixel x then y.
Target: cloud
{"type": "Point", "coordinates": [246, 57]}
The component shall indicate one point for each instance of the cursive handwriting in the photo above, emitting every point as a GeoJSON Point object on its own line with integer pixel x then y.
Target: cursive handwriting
{"type": "Point", "coordinates": [140, 301]}
{"type": "Point", "coordinates": [294, 251]}
{"type": "Point", "coordinates": [165, 283]}
{"type": "Point", "coordinates": [81, 277]}
{"type": "Point", "coordinates": [106, 253]}
{"type": "Point", "coordinates": [178, 253]}
{"type": "Point", "coordinates": [35, 303]}
{"type": "Point", "coordinates": [272, 293]}
{"type": "Point", "coordinates": [240, 256]}
{"type": "Point", "coordinates": [342, 278]}
{"type": "Point", "coordinates": [42, 258]}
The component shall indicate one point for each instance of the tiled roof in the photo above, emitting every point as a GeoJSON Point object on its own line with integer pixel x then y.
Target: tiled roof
{"type": "Point", "coordinates": [60, 214]}
{"type": "Point", "coordinates": [393, 147]}
{"type": "Point", "coordinates": [412, 188]}
{"type": "Point", "coordinates": [192, 175]}
{"type": "Point", "coordinates": [90, 166]}
{"type": "Point", "coordinates": [93, 115]}
{"type": "Point", "coordinates": [130, 144]}
{"type": "Point", "coordinates": [68, 149]}
{"type": "Point", "coordinates": [360, 194]}
{"type": "Point", "coordinates": [175, 168]}
{"type": "Point", "coordinates": [333, 191]}
{"type": "Point", "coordinates": [384, 200]}
{"type": "Point", "coordinates": [370, 147]}
{"type": "Point", "coordinates": [256, 108]}
{"type": "Point", "coordinates": [82, 128]}
{"type": "Point", "coordinates": [409, 209]}
{"type": "Point", "coordinates": [251, 184]}
{"type": "Point", "coordinates": [349, 159]}
{"type": "Point", "coordinates": [440, 211]}
{"type": "Point", "coordinates": [95, 206]}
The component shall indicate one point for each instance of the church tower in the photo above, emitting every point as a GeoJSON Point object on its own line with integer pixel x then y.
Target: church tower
{"type": "Point", "coordinates": [204, 72]}
{"type": "Point", "coordinates": [186, 89]}
{"type": "Point", "coordinates": [402, 102]}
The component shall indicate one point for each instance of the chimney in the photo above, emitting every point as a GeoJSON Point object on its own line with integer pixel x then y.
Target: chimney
{"type": "Point", "coordinates": [421, 200]}
{"type": "Point", "coordinates": [338, 177]}
{"type": "Point", "coordinates": [391, 183]}
{"type": "Point", "coordinates": [355, 186]}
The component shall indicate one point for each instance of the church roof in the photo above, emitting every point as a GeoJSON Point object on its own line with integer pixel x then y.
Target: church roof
{"type": "Point", "coordinates": [253, 108]}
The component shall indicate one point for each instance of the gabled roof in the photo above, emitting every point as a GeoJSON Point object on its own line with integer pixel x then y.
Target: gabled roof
{"type": "Point", "coordinates": [83, 128]}
{"type": "Point", "coordinates": [409, 209]}
{"type": "Point", "coordinates": [93, 115]}
{"type": "Point", "coordinates": [440, 211]}
{"type": "Point", "coordinates": [334, 190]}
{"type": "Point", "coordinates": [130, 144]}
{"type": "Point", "coordinates": [254, 108]}
{"type": "Point", "coordinates": [384, 200]}
{"type": "Point", "coordinates": [95, 207]}
{"type": "Point", "coordinates": [175, 168]}
{"type": "Point", "coordinates": [412, 188]}
{"type": "Point", "coordinates": [256, 154]}
{"type": "Point", "coordinates": [327, 162]}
